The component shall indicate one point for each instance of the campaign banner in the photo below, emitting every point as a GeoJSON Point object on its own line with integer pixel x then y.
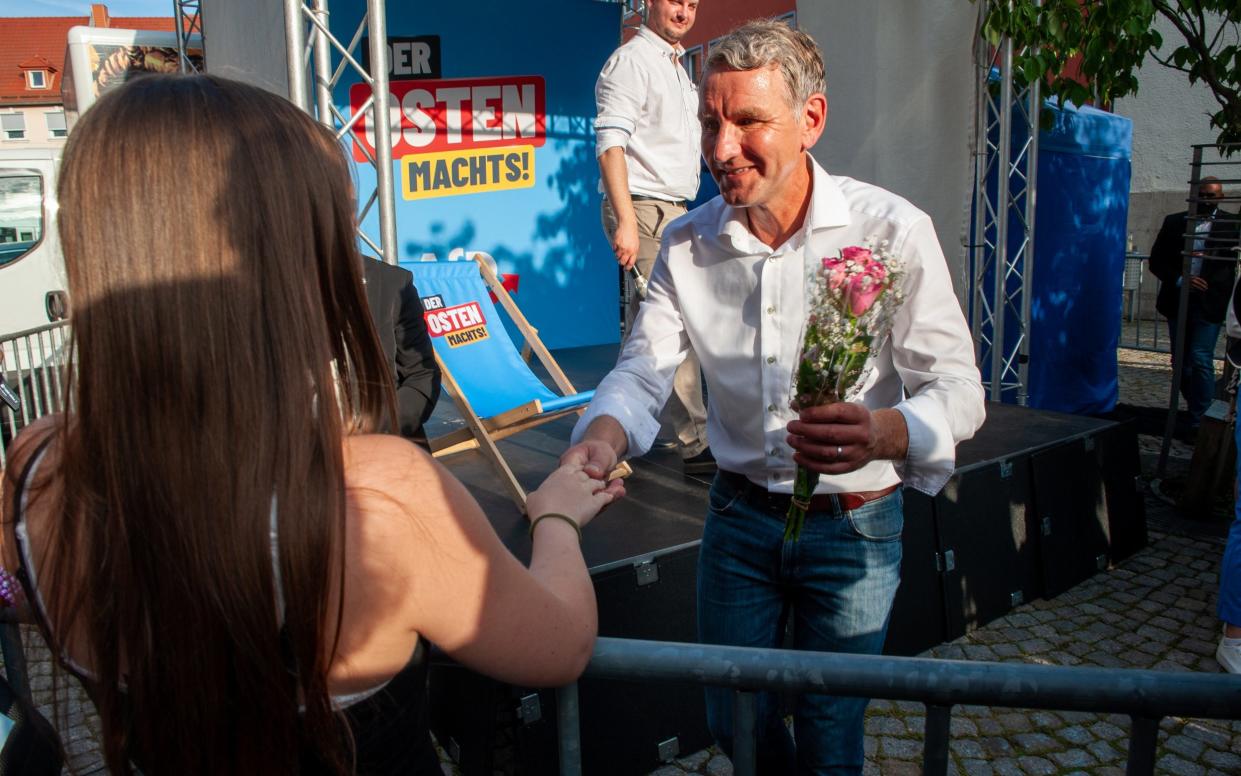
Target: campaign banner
{"type": "Point", "coordinates": [455, 113]}
{"type": "Point", "coordinates": [493, 152]}
{"type": "Point", "coordinates": [466, 172]}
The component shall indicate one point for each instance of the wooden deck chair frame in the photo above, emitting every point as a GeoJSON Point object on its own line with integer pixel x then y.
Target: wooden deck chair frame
{"type": "Point", "coordinates": [484, 433]}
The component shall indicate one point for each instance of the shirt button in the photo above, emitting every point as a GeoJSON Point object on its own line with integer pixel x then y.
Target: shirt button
{"type": "Point", "coordinates": [771, 310]}
{"type": "Point", "coordinates": [771, 408]}
{"type": "Point", "coordinates": [771, 359]}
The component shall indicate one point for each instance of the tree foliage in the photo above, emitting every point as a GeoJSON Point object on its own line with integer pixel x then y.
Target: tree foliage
{"type": "Point", "coordinates": [1113, 37]}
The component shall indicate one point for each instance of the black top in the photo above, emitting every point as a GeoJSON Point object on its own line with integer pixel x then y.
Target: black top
{"type": "Point", "coordinates": [389, 727]}
{"type": "Point", "coordinates": [1218, 265]}
{"type": "Point", "coordinates": [397, 312]}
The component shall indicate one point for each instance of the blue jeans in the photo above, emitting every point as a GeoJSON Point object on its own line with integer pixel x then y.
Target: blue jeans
{"type": "Point", "coordinates": [1198, 373]}
{"type": "Point", "coordinates": [1229, 606]}
{"type": "Point", "coordinates": [838, 579]}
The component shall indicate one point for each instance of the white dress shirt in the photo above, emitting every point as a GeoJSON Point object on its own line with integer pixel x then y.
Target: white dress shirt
{"type": "Point", "coordinates": [742, 307]}
{"type": "Point", "coordinates": [648, 105]}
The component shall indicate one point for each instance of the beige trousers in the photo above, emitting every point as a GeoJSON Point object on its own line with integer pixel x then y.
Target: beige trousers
{"type": "Point", "coordinates": [685, 410]}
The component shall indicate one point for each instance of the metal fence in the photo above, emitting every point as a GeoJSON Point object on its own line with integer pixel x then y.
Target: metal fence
{"type": "Point", "coordinates": [1211, 163]}
{"type": "Point", "coordinates": [1146, 696]}
{"type": "Point", "coordinates": [32, 367]}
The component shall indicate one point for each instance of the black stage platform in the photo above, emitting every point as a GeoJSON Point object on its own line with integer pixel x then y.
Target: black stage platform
{"type": "Point", "coordinates": [1039, 502]}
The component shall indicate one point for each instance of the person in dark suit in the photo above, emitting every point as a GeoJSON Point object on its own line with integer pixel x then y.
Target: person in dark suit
{"type": "Point", "coordinates": [1211, 272]}
{"type": "Point", "coordinates": [397, 312]}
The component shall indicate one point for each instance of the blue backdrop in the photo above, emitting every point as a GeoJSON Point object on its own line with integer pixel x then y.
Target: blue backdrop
{"type": "Point", "coordinates": [1079, 251]}
{"type": "Point", "coordinates": [548, 234]}
{"type": "Point", "coordinates": [1079, 264]}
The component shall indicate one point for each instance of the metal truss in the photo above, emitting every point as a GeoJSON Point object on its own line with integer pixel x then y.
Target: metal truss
{"type": "Point", "coordinates": [1002, 251]}
{"type": "Point", "coordinates": [189, 16]}
{"type": "Point", "coordinates": [311, 49]}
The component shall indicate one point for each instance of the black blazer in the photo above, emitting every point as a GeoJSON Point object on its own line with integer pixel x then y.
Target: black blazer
{"type": "Point", "coordinates": [397, 312]}
{"type": "Point", "coordinates": [1218, 266]}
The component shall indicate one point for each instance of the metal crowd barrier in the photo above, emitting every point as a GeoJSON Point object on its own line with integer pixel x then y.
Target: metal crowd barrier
{"type": "Point", "coordinates": [1146, 696]}
{"type": "Point", "coordinates": [31, 366]}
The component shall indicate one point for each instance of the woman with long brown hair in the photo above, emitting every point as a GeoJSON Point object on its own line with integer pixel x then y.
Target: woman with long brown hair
{"type": "Point", "coordinates": [242, 575]}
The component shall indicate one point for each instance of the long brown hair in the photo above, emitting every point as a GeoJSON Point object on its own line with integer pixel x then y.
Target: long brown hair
{"type": "Point", "coordinates": [223, 350]}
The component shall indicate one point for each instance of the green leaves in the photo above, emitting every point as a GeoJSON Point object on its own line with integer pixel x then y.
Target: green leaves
{"type": "Point", "coordinates": [1090, 50]}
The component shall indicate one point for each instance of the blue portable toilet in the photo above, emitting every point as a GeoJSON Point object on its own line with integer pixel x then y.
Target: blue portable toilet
{"type": "Point", "coordinates": [1081, 216]}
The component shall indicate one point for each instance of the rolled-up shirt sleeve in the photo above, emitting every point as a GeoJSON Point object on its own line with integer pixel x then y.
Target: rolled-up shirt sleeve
{"type": "Point", "coordinates": [934, 355]}
{"type": "Point", "coordinates": [619, 94]}
{"type": "Point", "coordinates": [637, 388]}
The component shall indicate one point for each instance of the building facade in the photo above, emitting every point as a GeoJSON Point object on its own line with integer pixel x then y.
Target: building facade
{"type": "Point", "coordinates": [32, 61]}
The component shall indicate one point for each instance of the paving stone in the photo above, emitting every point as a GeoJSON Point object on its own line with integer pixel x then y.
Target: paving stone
{"type": "Point", "coordinates": [1076, 735]}
{"type": "Point", "coordinates": [1006, 650]}
{"type": "Point", "coordinates": [1176, 766]}
{"type": "Point", "coordinates": [1036, 743]}
{"type": "Point", "coordinates": [1229, 762]}
{"type": "Point", "coordinates": [1007, 767]}
{"type": "Point", "coordinates": [1104, 752]}
{"type": "Point", "coordinates": [915, 725]}
{"type": "Point", "coordinates": [976, 768]}
{"type": "Point", "coordinates": [884, 726]}
{"type": "Point", "coordinates": [1033, 646]}
{"type": "Point", "coordinates": [1189, 748]}
{"type": "Point", "coordinates": [719, 765]}
{"type": "Point", "coordinates": [962, 727]}
{"type": "Point", "coordinates": [1045, 719]}
{"type": "Point", "coordinates": [978, 652]}
{"type": "Point", "coordinates": [870, 746]}
{"type": "Point", "coordinates": [1014, 722]}
{"type": "Point", "coordinates": [1107, 731]}
{"type": "Point", "coordinates": [1036, 766]}
{"type": "Point", "coordinates": [967, 748]}
{"type": "Point", "coordinates": [669, 770]}
{"type": "Point", "coordinates": [1073, 758]}
{"type": "Point", "coordinates": [996, 746]}
{"type": "Point", "coordinates": [899, 747]}
{"type": "Point", "coordinates": [889, 767]}
{"type": "Point", "coordinates": [990, 727]}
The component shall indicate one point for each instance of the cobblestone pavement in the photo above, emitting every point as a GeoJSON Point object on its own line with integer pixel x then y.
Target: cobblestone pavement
{"type": "Point", "coordinates": [1155, 610]}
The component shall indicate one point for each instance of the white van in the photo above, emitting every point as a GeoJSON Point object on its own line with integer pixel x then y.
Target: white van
{"type": "Point", "coordinates": [32, 274]}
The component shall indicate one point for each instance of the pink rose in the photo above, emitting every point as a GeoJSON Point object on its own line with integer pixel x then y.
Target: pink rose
{"type": "Point", "coordinates": [856, 253]}
{"type": "Point", "coordinates": [836, 276]}
{"type": "Point", "coordinates": [864, 289]}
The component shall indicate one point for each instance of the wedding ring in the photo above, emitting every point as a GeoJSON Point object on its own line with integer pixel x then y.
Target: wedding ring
{"type": "Point", "coordinates": [840, 452]}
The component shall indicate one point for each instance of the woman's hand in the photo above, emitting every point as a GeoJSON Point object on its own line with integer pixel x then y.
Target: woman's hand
{"type": "Point", "coordinates": [571, 492]}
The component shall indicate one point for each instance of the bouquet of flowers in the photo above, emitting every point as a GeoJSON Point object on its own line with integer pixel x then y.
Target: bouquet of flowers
{"type": "Point", "coordinates": [853, 299]}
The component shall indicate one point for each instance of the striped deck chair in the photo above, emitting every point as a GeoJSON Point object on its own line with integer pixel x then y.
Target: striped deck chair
{"type": "Point", "coordinates": [483, 371]}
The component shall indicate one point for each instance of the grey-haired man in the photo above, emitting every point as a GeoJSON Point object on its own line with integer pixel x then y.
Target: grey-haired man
{"type": "Point", "coordinates": [731, 282]}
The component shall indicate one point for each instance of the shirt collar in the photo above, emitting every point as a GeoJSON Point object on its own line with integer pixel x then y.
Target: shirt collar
{"type": "Point", "coordinates": [828, 209]}
{"type": "Point", "coordinates": [664, 47]}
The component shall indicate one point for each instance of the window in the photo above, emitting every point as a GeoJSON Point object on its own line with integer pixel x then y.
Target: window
{"type": "Point", "coordinates": [21, 215]}
{"type": "Point", "coordinates": [13, 125]}
{"type": "Point", "coordinates": [55, 123]}
{"type": "Point", "coordinates": [36, 79]}
{"type": "Point", "coordinates": [692, 61]}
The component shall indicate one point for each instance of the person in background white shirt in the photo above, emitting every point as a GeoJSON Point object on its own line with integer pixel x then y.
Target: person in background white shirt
{"type": "Point", "coordinates": [647, 144]}
{"type": "Point", "coordinates": [731, 282]}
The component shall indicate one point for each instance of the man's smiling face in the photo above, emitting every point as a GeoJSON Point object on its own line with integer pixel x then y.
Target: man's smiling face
{"type": "Point", "coordinates": [752, 138]}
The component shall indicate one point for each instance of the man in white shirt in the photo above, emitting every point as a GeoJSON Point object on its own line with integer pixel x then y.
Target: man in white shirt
{"type": "Point", "coordinates": [647, 144]}
{"type": "Point", "coordinates": [731, 282]}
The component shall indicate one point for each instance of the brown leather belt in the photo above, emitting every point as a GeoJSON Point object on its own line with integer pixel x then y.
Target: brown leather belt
{"type": "Point", "coordinates": [819, 502]}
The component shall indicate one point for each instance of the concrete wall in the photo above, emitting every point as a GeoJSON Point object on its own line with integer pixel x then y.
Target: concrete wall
{"type": "Point", "coordinates": [900, 104]}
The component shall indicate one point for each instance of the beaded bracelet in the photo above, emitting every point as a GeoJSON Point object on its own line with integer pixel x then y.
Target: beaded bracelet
{"type": "Point", "coordinates": [558, 516]}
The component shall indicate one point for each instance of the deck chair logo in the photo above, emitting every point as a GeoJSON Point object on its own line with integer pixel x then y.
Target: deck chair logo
{"type": "Point", "coordinates": [459, 325]}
